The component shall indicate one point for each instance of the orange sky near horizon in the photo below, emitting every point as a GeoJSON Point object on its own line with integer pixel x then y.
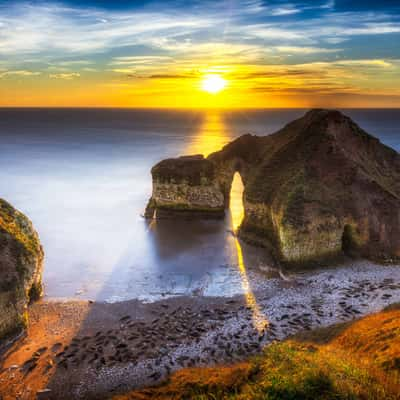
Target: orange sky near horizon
{"type": "Point", "coordinates": [179, 93]}
{"type": "Point", "coordinates": [272, 54]}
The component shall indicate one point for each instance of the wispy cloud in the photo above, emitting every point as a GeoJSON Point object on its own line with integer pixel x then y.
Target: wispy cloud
{"type": "Point", "coordinates": [365, 63]}
{"type": "Point", "coordinates": [288, 10]}
{"type": "Point", "coordinates": [264, 44]}
{"type": "Point", "coordinates": [139, 60]}
{"type": "Point", "coordinates": [67, 76]}
{"type": "Point", "coordinates": [18, 73]}
{"type": "Point", "coordinates": [46, 28]}
{"type": "Point", "coordinates": [56, 29]}
{"type": "Point", "coordinates": [303, 50]}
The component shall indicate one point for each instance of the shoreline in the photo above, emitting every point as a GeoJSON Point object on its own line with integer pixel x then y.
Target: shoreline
{"type": "Point", "coordinates": [111, 347]}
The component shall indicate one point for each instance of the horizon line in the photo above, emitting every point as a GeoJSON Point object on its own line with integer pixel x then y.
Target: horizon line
{"type": "Point", "coordinates": [194, 108]}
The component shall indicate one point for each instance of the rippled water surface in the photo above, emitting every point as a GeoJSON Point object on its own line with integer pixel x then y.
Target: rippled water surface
{"type": "Point", "coordinates": [83, 177]}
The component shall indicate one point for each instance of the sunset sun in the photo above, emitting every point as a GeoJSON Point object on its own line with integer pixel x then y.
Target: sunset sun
{"type": "Point", "coordinates": [213, 83]}
{"type": "Point", "coordinates": [234, 184]}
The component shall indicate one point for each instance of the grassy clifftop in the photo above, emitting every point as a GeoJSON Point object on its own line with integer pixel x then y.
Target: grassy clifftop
{"type": "Point", "coordinates": [358, 360]}
{"type": "Point", "coordinates": [21, 259]}
{"type": "Point", "coordinates": [18, 225]}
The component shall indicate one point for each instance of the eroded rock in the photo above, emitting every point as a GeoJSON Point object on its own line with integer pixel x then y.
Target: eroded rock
{"type": "Point", "coordinates": [316, 189]}
{"type": "Point", "coordinates": [21, 260]}
{"type": "Point", "coordinates": [185, 186]}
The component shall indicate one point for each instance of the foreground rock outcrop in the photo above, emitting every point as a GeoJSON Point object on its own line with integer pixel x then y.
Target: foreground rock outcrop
{"type": "Point", "coordinates": [316, 189]}
{"type": "Point", "coordinates": [21, 259]}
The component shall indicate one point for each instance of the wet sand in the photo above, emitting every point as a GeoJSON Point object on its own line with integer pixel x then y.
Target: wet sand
{"type": "Point", "coordinates": [81, 349]}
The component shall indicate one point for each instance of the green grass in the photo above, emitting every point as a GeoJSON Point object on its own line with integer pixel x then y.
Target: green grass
{"type": "Point", "coordinates": [19, 227]}
{"type": "Point", "coordinates": [359, 360]}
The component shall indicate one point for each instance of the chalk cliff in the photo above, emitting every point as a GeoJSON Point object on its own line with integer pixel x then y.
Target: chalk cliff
{"type": "Point", "coordinates": [21, 259]}
{"type": "Point", "coordinates": [316, 189]}
{"type": "Point", "coordinates": [185, 186]}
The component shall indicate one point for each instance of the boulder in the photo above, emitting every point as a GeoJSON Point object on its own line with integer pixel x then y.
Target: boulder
{"type": "Point", "coordinates": [21, 261]}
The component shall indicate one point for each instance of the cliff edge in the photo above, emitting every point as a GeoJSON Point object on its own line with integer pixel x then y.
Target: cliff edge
{"type": "Point", "coordinates": [316, 189]}
{"type": "Point", "coordinates": [21, 260]}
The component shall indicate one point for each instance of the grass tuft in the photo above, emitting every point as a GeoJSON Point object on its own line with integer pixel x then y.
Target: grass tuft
{"type": "Point", "coordinates": [359, 360]}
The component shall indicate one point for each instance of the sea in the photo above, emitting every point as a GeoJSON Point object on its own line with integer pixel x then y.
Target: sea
{"type": "Point", "coordinates": [83, 178]}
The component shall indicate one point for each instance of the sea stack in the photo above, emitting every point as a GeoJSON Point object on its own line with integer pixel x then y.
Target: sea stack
{"type": "Point", "coordinates": [319, 188]}
{"type": "Point", "coordinates": [21, 262]}
{"type": "Point", "coordinates": [185, 186]}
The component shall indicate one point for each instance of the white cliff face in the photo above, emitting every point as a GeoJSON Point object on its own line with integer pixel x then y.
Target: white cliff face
{"type": "Point", "coordinates": [186, 185]}
{"type": "Point", "coordinates": [181, 195]}
{"type": "Point", "coordinates": [21, 263]}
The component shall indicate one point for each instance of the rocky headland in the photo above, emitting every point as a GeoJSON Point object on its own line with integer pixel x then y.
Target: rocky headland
{"type": "Point", "coordinates": [21, 259]}
{"type": "Point", "coordinates": [319, 188]}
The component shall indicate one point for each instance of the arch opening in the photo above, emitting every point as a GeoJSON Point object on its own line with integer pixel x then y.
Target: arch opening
{"type": "Point", "coordinates": [236, 206]}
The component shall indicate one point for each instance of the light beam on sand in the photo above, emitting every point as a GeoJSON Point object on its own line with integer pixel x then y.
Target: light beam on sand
{"type": "Point", "coordinates": [260, 321]}
{"type": "Point", "coordinates": [49, 325]}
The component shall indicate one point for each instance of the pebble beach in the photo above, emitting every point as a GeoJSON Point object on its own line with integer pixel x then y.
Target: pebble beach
{"type": "Point", "coordinates": [85, 349]}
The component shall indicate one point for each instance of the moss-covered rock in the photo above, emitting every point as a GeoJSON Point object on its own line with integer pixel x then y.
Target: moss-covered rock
{"type": "Point", "coordinates": [21, 260]}
{"type": "Point", "coordinates": [318, 188]}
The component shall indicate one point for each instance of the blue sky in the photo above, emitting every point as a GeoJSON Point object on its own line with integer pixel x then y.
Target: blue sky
{"type": "Point", "coordinates": [323, 47]}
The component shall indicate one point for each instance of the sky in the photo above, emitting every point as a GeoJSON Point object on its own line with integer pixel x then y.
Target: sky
{"type": "Point", "coordinates": [299, 53]}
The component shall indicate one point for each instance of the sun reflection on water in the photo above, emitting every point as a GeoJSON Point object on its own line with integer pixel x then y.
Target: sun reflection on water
{"type": "Point", "coordinates": [237, 213]}
{"type": "Point", "coordinates": [212, 135]}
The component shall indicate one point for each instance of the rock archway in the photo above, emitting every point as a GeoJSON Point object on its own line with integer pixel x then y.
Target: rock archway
{"type": "Point", "coordinates": [316, 186]}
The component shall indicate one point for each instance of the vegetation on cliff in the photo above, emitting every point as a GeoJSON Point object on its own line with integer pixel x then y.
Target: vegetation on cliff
{"type": "Point", "coordinates": [318, 188]}
{"type": "Point", "coordinates": [185, 186]}
{"type": "Point", "coordinates": [356, 360]}
{"type": "Point", "coordinates": [21, 258]}
{"type": "Point", "coordinates": [193, 170]}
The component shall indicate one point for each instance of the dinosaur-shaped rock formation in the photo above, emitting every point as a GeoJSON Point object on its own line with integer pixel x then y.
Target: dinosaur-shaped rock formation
{"type": "Point", "coordinates": [316, 189]}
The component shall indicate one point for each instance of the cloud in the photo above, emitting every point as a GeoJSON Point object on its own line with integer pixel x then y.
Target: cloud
{"type": "Point", "coordinates": [74, 62]}
{"type": "Point", "coordinates": [287, 43]}
{"type": "Point", "coordinates": [311, 90]}
{"type": "Point", "coordinates": [32, 28]}
{"type": "Point", "coordinates": [346, 76]}
{"type": "Point", "coordinates": [53, 29]}
{"type": "Point", "coordinates": [18, 73]}
{"type": "Point", "coordinates": [269, 31]}
{"type": "Point", "coordinates": [127, 71]}
{"type": "Point", "coordinates": [89, 69]}
{"type": "Point", "coordinates": [133, 60]}
{"type": "Point", "coordinates": [305, 50]}
{"type": "Point", "coordinates": [365, 63]}
{"type": "Point", "coordinates": [164, 76]}
{"type": "Point", "coordinates": [289, 10]}
{"type": "Point", "coordinates": [67, 76]}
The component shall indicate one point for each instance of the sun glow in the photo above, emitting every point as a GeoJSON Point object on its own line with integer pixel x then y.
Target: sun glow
{"type": "Point", "coordinates": [212, 135]}
{"type": "Point", "coordinates": [213, 83]}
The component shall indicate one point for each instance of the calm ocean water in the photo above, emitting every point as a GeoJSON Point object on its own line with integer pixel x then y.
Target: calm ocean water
{"type": "Point", "coordinates": [83, 178]}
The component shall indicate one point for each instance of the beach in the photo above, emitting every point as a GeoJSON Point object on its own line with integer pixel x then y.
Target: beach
{"type": "Point", "coordinates": [127, 302]}
{"type": "Point", "coordinates": [84, 349]}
